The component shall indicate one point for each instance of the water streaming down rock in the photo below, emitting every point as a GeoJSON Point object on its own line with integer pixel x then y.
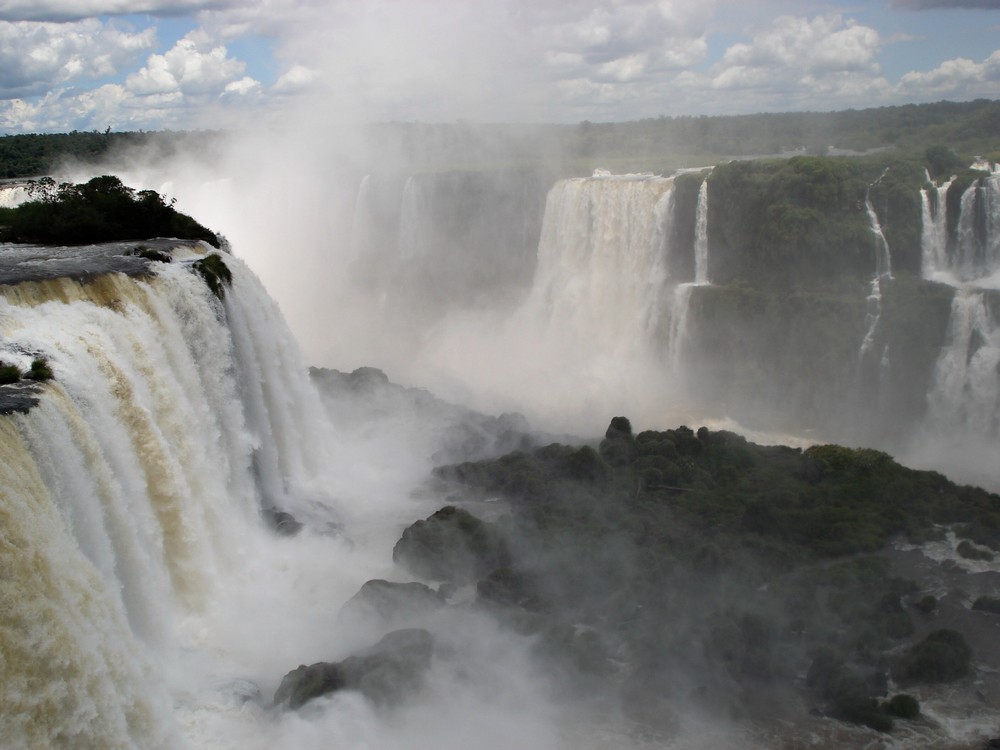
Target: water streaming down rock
{"type": "Point", "coordinates": [602, 263]}
{"type": "Point", "coordinates": [171, 422]}
{"type": "Point", "coordinates": [681, 302]}
{"type": "Point", "coordinates": [964, 398]}
{"type": "Point", "coordinates": [883, 273]}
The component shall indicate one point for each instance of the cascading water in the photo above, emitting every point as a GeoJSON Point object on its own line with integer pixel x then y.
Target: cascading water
{"type": "Point", "coordinates": [934, 229]}
{"type": "Point", "coordinates": [883, 273]}
{"type": "Point", "coordinates": [964, 398]}
{"type": "Point", "coordinates": [682, 292]}
{"type": "Point", "coordinates": [131, 490]}
{"type": "Point", "coordinates": [13, 195]}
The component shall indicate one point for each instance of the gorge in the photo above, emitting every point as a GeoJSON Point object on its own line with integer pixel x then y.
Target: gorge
{"type": "Point", "coordinates": [151, 603]}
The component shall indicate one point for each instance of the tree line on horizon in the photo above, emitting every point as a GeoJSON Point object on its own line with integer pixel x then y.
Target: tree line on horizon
{"type": "Point", "coordinates": [969, 128]}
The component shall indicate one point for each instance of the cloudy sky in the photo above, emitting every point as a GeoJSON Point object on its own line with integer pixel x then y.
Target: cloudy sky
{"type": "Point", "coordinates": [153, 64]}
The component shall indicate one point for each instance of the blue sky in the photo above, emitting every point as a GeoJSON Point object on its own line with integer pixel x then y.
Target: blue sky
{"type": "Point", "coordinates": [152, 64]}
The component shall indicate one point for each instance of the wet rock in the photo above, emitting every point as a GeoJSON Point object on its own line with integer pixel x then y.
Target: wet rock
{"type": "Point", "coordinates": [389, 602]}
{"type": "Point", "coordinates": [386, 673]}
{"type": "Point", "coordinates": [450, 545]}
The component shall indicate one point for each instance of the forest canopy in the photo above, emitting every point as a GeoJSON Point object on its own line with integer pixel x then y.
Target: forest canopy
{"type": "Point", "coordinates": [101, 210]}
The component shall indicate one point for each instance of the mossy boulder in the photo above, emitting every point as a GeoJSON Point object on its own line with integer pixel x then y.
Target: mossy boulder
{"type": "Point", "coordinates": [450, 545]}
{"type": "Point", "coordinates": [390, 602]}
{"type": "Point", "coordinates": [385, 674]}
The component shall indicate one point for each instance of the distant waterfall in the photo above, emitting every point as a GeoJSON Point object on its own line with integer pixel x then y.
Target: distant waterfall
{"type": "Point", "coordinates": [602, 261]}
{"type": "Point", "coordinates": [883, 272]}
{"type": "Point", "coordinates": [130, 485]}
{"type": "Point", "coordinates": [13, 195]}
{"type": "Point", "coordinates": [701, 236]}
{"type": "Point", "coordinates": [963, 405]}
{"type": "Point", "coordinates": [971, 254]}
{"type": "Point", "coordinates": [934, 229]}
{"type": "Point", "coordinates": [681, 299]}
{"type": "Point", "coordinates": [965, 397]}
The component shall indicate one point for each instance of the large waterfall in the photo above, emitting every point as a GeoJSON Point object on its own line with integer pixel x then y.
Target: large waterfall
{"type": "Point", "coordinates": [963, 251]}
{"type": "Point", "coordinates": [133, 490]}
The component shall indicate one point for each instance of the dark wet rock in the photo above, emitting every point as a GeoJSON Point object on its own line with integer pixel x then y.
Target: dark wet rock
{"type": "Point", "coordinates": [989, 604]}
{"type": "Point", "coordinates": [386, 673]}
{"type": "Point", "coordinates": [281, 522]}
{"type": "Point", "coordinates": [943, 656]}
{"type": "Point", "coordinates": [18, 397]}
{"type": "Point", "coordinates": [450, 545]}
{"type": "Point", "coordinates": [390, 602]}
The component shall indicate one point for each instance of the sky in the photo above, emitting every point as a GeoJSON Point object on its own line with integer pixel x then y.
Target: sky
{"type": "Point", "coordinates": [184, 64]}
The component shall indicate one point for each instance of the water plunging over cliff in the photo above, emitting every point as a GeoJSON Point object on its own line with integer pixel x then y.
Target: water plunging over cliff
{"type": "Point", "coordinates": [132, 490]}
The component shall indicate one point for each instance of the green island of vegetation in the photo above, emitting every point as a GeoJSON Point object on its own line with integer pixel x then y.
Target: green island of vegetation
{"type": "Point", "coordinates": [101, 210]}
{"type": "Point", "coordinates": [677, 568]}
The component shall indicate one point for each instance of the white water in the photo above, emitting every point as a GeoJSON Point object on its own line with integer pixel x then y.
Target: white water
{"type": "Point", "coordinates": [13, 195]}
{"type": "Point", "coordinates": [591, 329]}
{"type": "Point", "coordinates": [145, 604]}
{"type": "Point", "coordinates": [883, 273]}
{"type": "Point", "coordinates": [131, 496]}
{"type": "Point", "coordinates": [701, 236]}
{"type": "Point", "coordinates": [972, 256]}
{"type": "Point", "coordinates": [964, 399]}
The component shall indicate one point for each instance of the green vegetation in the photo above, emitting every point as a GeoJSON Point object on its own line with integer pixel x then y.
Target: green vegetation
{"type": "Point", "coordinates": [713, 561]}
{"type": "Point", "coordinates": [39, 370]}
{"type": "Point", "coordinates": [35, 155]}
{"type": "Point", "coordinates": [101, 210]}
{"type": "Point", "coordinates": [9, 373]}
{"type": "Point", "coordinates": [213, 269]}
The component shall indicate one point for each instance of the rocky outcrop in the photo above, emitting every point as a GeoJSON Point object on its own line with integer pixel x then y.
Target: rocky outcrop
{"type": "Point", "coordinates": [385, 674]}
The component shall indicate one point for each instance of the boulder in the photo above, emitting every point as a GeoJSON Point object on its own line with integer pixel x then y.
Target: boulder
{"type": "Point", "coordinates": [385, 673]}
{"type": "Point", "coordinates": [392, 603]}
{"type": "Point", "coordinates": [450, 545]}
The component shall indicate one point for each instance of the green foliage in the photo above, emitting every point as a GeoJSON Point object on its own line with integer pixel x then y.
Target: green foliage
{"type": "Point", "coordinates": [9, 373]}
{"type": "Point", "coordinates": [943, 162]}
{"type": "Point", "coordinates": [213, 269]}
{"type": "Point", "coordinates": [662, 539]}
{"type": "Point", "coordinates": [39, 370]}
{"type": "Point", "coordinates": [101, 210]}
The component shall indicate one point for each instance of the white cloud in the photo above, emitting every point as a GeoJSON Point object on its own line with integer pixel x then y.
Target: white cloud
{"type": "Point", "coordinates": [824, 62]}
{"type": "Point", "coordinates": [34, 57]}
{"type": "Point", "coordinates": [960, 76]}
{"type": "Point", "coordinates": [186, 69]}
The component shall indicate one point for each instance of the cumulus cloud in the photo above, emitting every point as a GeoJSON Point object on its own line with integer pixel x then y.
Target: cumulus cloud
{"type": "Point", "coordinates": [35, 57]}
{"type": "Point", "coordinates": [77, 10]}
{"type": "Point", "coordinates": [961, 77]}
{"type": "Point", "coordinates": [799, 57]}
{"type": "Point", "coordinates": [187, 70]}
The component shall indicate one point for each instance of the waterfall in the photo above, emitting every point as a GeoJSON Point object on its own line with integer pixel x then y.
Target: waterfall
{"type": "Point", "coordinates": [965, 394]}
{"type": "Point", "coordinates": [934, 229]}
{"type": "Point", "coordinates": [602, 261]}
{"type": "Point", "coordinates": [681, 298]}
{"type": "Point", "coordinates": [13, 195]}
{"type": "Point", "coordinates": [883, 272]}
{"type": "Point", "coordinates": [701, 236]}
{"type": "Point", "coordinates": [131, 490]}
